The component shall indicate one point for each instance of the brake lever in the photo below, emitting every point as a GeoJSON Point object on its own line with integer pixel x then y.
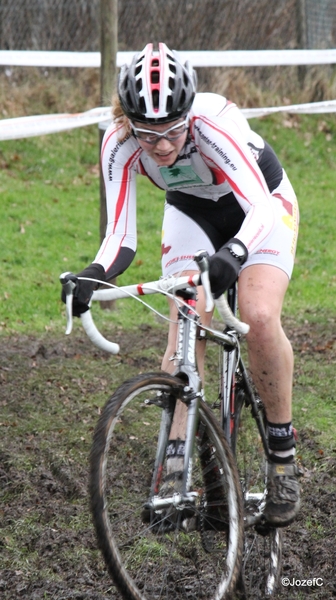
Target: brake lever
{"type": "Point", "coordinates": [68, 286]}
{"type": "Point", "coordinates": [201, 257]}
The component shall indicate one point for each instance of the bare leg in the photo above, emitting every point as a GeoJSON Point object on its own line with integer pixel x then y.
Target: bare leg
{"type": "Point", "coordinates": [261, 293]}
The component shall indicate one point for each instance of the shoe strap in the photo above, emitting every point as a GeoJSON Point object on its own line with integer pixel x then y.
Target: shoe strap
{"type": "Point", "coordinates": [282, 470]}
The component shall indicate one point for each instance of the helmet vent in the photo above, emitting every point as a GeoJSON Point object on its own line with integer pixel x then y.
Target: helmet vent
{"type": "Point", "coordinates": [137, 70]}
{"type": "Point", "coordinates": [125, 83]}
{"type": "Point", "coordinates": [155, 77]}
{"type": "Point", "coordinates": [172, 68]}
{"type": "Point", "coordinates": [142, 105]}
{"type": "Point", "coordinates": [169, 104]}
{"type": "Point", "coordinates": [138, 85]}
{"type": "Point", "coordinates": [155, 62]}
{"type": "Point", "coordinates": [156, 99]}
{"type": "Point", "coordinates": [129, 99]}
{"type": "Point", "coordinates": [171, 83]}
{"type": "Point", "coordinates": [186, 80]}
{"type": "Point", "coordinates": [182, 98]}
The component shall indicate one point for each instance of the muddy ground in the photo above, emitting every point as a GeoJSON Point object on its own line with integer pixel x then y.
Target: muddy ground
{"type": "Point", "coordinates": [51, 392]}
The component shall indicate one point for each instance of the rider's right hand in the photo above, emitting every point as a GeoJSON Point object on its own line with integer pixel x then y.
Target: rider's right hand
{"type": "Point", "coordinates": [224, 266]}
{"type": "Point", "coordinates": [84, 289]}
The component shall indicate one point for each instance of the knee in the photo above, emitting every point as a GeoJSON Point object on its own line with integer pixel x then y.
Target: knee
{"type": "Point", "coordinates": [264, 322]}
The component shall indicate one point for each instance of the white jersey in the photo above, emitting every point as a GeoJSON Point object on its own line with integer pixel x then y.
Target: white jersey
{"type": "Point", "coordinates": [219, 157]}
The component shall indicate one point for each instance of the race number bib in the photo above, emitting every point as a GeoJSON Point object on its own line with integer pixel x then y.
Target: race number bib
{"type": "Point", "coordinates": [183, 176]}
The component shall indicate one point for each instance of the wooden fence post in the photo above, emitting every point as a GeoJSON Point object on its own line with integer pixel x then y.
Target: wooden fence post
{"type": "Point", "coordinates": [302, 39]}
{"type": "Point", "coordinates": [108, 84]}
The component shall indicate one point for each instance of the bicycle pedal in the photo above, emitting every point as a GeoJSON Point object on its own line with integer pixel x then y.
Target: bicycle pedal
{"type": "Point", "coordinates": [263, 528]}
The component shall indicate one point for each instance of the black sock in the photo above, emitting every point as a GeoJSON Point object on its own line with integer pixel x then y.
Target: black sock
{"type": "Point", "coordinates": [281, 442]}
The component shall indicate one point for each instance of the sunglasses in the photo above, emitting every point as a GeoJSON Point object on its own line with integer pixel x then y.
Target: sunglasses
{"type": "Point", "coordinates": [153, 137]}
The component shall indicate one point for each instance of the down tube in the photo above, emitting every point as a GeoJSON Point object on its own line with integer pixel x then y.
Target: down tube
{"type": "Point", "coordinates": [229, 362]}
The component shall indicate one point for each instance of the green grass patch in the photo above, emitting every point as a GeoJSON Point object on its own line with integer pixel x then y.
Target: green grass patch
{"type": "Point", "coordinates": [50, 223]}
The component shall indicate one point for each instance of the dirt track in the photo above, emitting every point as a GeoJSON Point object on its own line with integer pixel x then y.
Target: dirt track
{"type": "Point", "coordinates": [47, 541]}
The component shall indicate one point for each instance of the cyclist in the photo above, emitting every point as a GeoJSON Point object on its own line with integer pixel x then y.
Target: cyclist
{"type": "Point", "coordinates": [227, 193]}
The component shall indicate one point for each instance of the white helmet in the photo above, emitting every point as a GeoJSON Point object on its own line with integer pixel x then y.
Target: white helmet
{"type": "Point", "coordinates": [156, 87]}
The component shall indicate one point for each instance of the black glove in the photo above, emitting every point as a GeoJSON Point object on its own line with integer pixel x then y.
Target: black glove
{"type": "Point", "coordinates": [84, 289]}
{"type": "Point", "coordinates": [225, 264]}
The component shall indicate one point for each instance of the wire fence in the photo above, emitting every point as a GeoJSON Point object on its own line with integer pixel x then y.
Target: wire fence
{"type": "Point", "coordinates": [182, 24]}
{"type": "Point", "coordinates": [61, 25]}
{"type": "Point", "coordinates": [321, 24]}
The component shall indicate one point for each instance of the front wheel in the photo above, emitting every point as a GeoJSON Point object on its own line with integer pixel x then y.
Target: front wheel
{"type": "Point", "coordinates": [198, 555]}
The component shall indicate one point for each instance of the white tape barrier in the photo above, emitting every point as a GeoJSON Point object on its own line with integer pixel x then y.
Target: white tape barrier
{"type": "Point", "coordinates": [23, 127]}
{"type": "Point", "coordinates": [202, 58]}
{"type": "Point", "coordinates": [258, 58]}
{"type": "Point", "coordinates": [328, 106]}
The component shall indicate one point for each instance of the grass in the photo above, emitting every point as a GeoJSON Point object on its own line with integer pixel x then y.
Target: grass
{"type": "Point", "coordinates": [314, 400]}
{"type": "Point", "coordinates": [50, 205]}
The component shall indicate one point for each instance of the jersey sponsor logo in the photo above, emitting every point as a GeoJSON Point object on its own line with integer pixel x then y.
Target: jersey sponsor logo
{"type": "Point", "coordinates": [268, 251]}
{"type": "Point", "coordinates": [217, 149]}
{"type": "Point", "coordinates": [255, 237]}
{"type": "Point", "coordinates": [288, 221]}
{"type": "Point", "coordinates": [178, 258]}
{"type": "Point", "coordinates": [193, 150]}
{"type": "Point", "coordinates": [113, 156]}
{"type": "Point", "coordinates": [255, 151]}
{"type": "Point", "coordinates": [165, 249]}
{"type": "Point", "coordinates": [291, 218]}
{"type": "Point", "coordinates": [288, 206]}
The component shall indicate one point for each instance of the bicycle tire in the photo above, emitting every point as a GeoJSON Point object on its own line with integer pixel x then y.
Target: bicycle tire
{"type": "Point", "coordinates": [261, 564]}
{"type": "Point", "coordinates": [144, 561]}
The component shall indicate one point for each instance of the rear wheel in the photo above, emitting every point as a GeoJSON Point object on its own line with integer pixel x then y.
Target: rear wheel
{"type": "Point", "coordinates": [261, 563]}
{"type": "Point", "coordinates": [196, 552]}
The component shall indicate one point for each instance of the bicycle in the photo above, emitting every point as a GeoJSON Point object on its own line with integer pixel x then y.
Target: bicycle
{"type": "Point", "coordinates": [201, 540]}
